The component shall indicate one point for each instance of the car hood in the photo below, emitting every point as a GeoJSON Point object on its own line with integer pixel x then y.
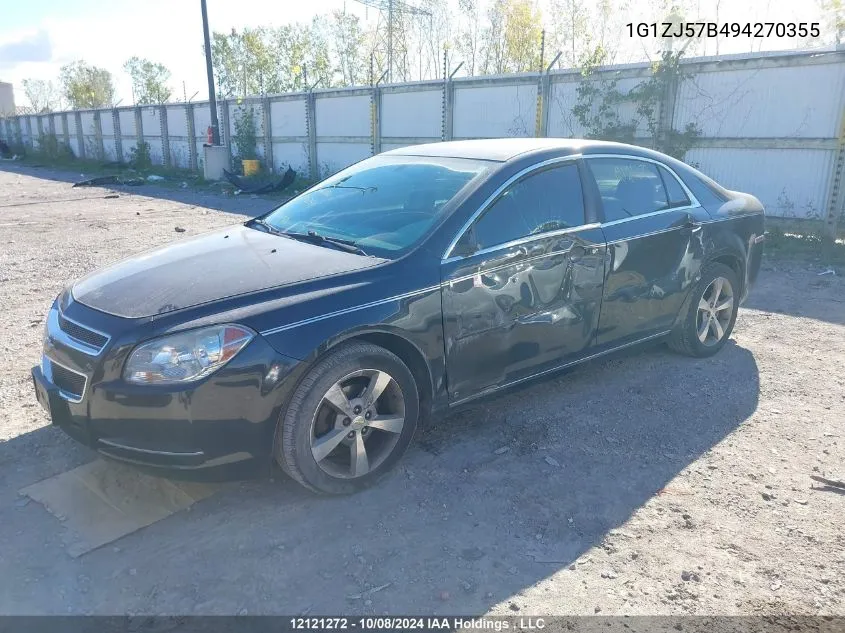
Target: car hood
{"type": "Point", "coordinates": [232, 261]}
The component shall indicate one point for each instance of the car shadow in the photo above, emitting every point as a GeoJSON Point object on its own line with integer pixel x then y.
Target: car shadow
{"type": "Point", "coordinates": [209, 196]}
{"type": "Point", "coordinates": [486, 504]}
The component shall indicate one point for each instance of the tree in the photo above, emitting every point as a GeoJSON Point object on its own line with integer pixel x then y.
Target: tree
{"type": "Point", "coordinates": [569, 29]}
{"type": "Point", "coordinates": [149, 80]}
{"type": "Point", "coordinates": [86, 86]}
{"type": "Point", "coordinates": [43, 95]}
{"type": "Point", "coordinates": [349, 45]}
{"type": "Point", "coordinates": [512, 39]}
{"type": "Point", "coordinates": [468, 39]}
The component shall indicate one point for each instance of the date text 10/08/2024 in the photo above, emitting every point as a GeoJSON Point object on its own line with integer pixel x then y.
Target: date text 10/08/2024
{"type": "Point", "coordinates": [728, 29]}
{"type": "Point", "coordinates": [417, 623]}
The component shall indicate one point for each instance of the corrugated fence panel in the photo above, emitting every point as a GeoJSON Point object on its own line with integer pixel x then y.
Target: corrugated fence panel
{"type": "Point", "coordinates": [411, 114]}
{"type": "Point", "coordinates": [789, 182]}
{"type": "Point", "coordinates": [177, 131]}
{"type": "Point", "coordinates": [332, 157]}
{"type": "Point", "coordinates": [151, 121]}
{"type": "Point", "coordinates": [107, 126]}
{"type": "Point", "coordinates": [289, 132]}
{"type": "Point", "coordinates": [202, 121]}
{"type": "Point", "coordinates": [798, 101]}
{"type": "Point", "coordinates": [127, 130]}
{"type": "Point", "coordinates": [493, 111]}
{"type": "Point", "coordinates": [58, 125]}
{"type": "Point", "coordinates": [343, 116]}
{"type": "Point", "coordinates": [89, 134]}
{"type": "Point", "coordinates": [71, 130]}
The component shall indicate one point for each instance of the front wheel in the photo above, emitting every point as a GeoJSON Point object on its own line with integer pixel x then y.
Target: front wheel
{"type": "Point", "coordinates": [349, 421]}
{"type": "Point", "coordinates": [711, 314]}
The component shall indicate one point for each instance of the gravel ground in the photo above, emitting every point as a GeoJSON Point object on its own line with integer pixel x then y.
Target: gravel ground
{"type": "Point", "coordinates": [648, 483]}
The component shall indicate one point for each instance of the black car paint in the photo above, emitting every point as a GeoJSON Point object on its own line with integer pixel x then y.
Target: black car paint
{"type": "Point", "coordinates": [466, 327]}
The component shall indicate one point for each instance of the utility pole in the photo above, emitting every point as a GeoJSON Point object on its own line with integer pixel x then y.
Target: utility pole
{"type": "Point", "coordinates": [212, 100]}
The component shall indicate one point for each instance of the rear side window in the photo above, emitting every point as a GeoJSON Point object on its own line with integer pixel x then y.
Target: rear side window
{"type": "Point", "coordinates": [674, 191]}
{"type": "Point", "coordinates": [547, 200]}
{"type": "Point", "coordinates": [628, 187]}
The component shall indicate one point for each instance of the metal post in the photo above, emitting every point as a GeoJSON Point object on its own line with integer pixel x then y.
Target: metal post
{"type": "Point", "coordinates": [836, 195]}
{"type": "Point", "coordinates": [98, 136]}
{"type": "Point", "coordinates": [118, 136]}
{"type": "Point", "coordinates": [212, 99]}
{"type": "Point", "coordinates": [65, 130]}
{"type": "Point", "coordinates": [266, 104]}
{"type": "Point", "coordinates": [544, 94]}
{"type": "Point", "coordinates": [139, 126]}
{"type": "Point", "coordinates": [165, 136]}
{"type": "Point", "coordinates": [224, 134]}
{"type": "Point", "coordinates": [80, 134]}
{"type": "Point", "coordinates": [311, 127]}
{"type": "Point", "coordinates": [389, 41]}
{"type": "Point", "coordinates": [375, 117]}
{"type": "Point", "coordinates": [193, 163]}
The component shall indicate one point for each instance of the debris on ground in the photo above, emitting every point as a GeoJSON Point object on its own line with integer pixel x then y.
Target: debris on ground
{"type": "Point", "coordinates": [502, 450]}
{"type": "Point", "coordinates": [551, 461]}
{"type": "Point", "coordinates": [179, 229]}
{"type": "Point", "coordinates": [266, 184]}
{"type": "Point", "coordinates": [836, 484]}
{"type": "Point", "coordinates": [114, 179]}
{"type": "Point", "coordinates": [154, 178]}
{"type": "Point", "coordinates": [368, 592]}
{"type": "Point", "coordinates": [829, 271]}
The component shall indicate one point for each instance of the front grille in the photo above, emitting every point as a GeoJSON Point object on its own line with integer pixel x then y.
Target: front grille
{"type": "Point", "coordinates": [69, 381]}
{"type": "Point", "coordinates": [83, 334]}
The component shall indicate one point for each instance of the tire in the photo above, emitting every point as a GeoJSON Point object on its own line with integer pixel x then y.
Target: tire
{"type": "Point", "coordinates": [313, 443]}
{"type": "Point", "coordinates": [686, 339]}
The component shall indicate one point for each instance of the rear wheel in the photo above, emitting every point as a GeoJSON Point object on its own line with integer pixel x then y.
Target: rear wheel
{"type": "Point", "coordinates": [349, 421]}
{"type": "Point", "coordinates": [711, 314]}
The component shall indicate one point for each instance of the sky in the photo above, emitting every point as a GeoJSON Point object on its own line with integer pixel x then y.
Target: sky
{"type": "Point", "coordinates": [37, 37]}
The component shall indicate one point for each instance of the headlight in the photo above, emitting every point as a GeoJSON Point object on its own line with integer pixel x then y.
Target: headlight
{"type": "Point", "coordinates": [187, 356]}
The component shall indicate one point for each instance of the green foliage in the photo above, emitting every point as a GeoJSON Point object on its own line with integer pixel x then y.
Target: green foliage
{"type": "Point", "coordinates": [600, 102]}
{"type": "Point", "coordinates": [245, 136]}
{"type": "Point", "coordinates": [149, 81]}
{"type": "Point", "coordinates": [139, 156]}
{"type": "Point", "coordinates": [50, 148]}
{"type": "Point", "coordinates": [86, 86]}
{"type": "Point", "coordinates": [512, 39]}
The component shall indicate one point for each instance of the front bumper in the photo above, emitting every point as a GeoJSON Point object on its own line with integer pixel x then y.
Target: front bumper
{"type": "Point", "coordinates": [221, 427]}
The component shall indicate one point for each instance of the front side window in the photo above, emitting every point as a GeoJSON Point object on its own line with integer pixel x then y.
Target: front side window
{"type": "Point", "coordinates": [385, 204]}
{"type": "Point", "coordinates": [547, 200]}
{"type": "Point", "coordinates": [628, 187]}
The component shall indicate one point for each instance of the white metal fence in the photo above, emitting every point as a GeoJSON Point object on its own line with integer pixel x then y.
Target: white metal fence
{"type": "Point", "coordinates": [773, 124]}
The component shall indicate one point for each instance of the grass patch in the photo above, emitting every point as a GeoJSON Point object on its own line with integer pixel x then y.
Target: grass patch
{"type": "Point", "coordinates": [803, 239]}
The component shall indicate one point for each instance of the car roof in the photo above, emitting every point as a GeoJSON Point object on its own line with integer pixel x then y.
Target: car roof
{"type": "Point", "coordinates": [504, 149]}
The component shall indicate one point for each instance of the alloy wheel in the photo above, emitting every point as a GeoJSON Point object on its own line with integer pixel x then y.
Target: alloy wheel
{"type": "Point", "coordinates": [715, 309]}
{"type": "Point", "coordinates": [357, 424]}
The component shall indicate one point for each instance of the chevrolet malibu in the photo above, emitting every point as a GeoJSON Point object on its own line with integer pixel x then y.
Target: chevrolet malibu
{"type": "Point", "coordinates": [322, 334]}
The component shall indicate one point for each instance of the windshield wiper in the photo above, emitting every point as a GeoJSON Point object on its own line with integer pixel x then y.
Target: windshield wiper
{"type": "Point", "coordinates": [316, 238]}
{"type": "Point", "coordinates": [266, 226]}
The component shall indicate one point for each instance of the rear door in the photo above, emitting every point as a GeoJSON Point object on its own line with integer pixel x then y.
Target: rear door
{"type": "Point", "coordinates": [522, 288]}
{"type": "Point", "coordinates": [651, 225]}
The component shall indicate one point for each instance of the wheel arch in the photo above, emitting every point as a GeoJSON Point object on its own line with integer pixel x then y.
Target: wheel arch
{"type": "Point", "coordinates": [406, 350]}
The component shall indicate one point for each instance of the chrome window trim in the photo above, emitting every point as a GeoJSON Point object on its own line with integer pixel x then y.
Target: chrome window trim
{"type": "Point", "coordinates": [66, 339]}
{"type": "Point", "coordinates": [343, 311]}
{"type": "Point", "coordinates": [447, 254]}
{"type": "Point", "coordinates": [694, 203]}
{"type": "Point", "coordinates": [48, 373]}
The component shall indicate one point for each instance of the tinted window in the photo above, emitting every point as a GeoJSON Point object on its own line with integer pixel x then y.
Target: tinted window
{"type": "Point", "coordinates": [544, 201]}
{"type": "Point", "coordinates": [628, 188]}
{"type": "Point", "coordinates": [676, 194]}
{"type": "Point", "coordinates": [385, 204]}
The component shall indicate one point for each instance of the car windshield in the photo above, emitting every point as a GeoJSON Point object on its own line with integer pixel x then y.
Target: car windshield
{"type": "Point", "coordinates": [384, 205]}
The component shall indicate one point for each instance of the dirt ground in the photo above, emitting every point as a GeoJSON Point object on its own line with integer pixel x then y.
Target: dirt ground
{"type": "Point", "coordinates": [648, 483]}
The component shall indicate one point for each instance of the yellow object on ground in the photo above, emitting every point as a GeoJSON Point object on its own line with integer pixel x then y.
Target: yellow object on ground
{"type": "Point", "coordinates": [251, 167]}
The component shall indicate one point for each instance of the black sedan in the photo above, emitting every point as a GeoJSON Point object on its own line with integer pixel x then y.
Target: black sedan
{"type": "Point", "coordinates": [322, 334]}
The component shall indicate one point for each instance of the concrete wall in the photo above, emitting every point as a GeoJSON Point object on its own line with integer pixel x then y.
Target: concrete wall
{"type": "Point", "coordinates": [771, 124]}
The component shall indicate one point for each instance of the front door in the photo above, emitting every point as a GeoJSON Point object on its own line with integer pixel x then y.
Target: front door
{"type": "Point", "coordinates": [525, 295]}
{"type": "Point", "coordinates": [654, 247]}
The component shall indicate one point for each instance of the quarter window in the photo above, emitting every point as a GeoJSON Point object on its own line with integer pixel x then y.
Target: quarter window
{"type": "Point", "coordinates": [676, 194]}
{"type": "Point", "coordinates": [547, 200]}
{"type": "Point", "coordinates": [628, 187]}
